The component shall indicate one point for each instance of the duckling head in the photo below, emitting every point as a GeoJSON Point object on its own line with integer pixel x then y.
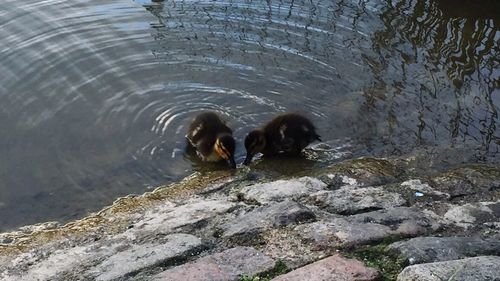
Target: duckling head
{"type": "Point", "coordinates": [224, 147]}
{"type": "Point", "coordinates": [255, 142]}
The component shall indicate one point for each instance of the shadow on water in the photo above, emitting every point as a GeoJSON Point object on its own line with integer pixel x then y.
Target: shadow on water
{"type": "Point", "coordinates": [96, 95]}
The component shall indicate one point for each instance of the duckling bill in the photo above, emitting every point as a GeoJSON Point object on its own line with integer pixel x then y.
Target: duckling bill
{"type": "Point", "coordinates": [286, 134]}
{"type": "Point", "coordinates": [211, 138]}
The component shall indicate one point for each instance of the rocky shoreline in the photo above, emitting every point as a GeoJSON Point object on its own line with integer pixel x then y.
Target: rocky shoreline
{"type": "Point", "coordinates": [362, 219]}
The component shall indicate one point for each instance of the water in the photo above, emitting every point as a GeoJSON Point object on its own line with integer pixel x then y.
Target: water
{"type": "Point", "coordinates": [95, 96]}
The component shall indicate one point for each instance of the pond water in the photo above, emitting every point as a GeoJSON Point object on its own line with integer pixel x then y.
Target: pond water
{"type": "Point", "coordinates": [95, 95]}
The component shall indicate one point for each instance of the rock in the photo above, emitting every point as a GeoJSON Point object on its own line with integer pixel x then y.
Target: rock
{"type": "Point", "coordinates": [228, 265]}
{"type": "Point", "coordinates": [332, 268]}
{"type": "Point", "coordinates": [474, 214]}
{"type": "Point", "coordinates": [248, 225]}
{"type": "Point", "coordinates": [426, 189]}
{"type": "Point", "coordinates": [335, 181]}
{"type": "Point", "coordinates": [341, 231]}
{"type": "Point", "coordinates": [170, 217]}
{"type": "Point", "coordinates": [281, 190]}
{"type": "Point", "coordinates": [143, 256]}
{"type": "Point", "coordinates": [369, 227]}
{"type": "Point", "coordinates": [469, 180]}
{"type": "Point", "coordinates": [350, 200]}
{"type": "Point", "coordinates": [405, 221]}
{"type": "Point", "coordinates": [432, 249]}
{"type": "Point", "coordinates": [484, 268]}
{"type": "Point", "coordinates": [101, 260]}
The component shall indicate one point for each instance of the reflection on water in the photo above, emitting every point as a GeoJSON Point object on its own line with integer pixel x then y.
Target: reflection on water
{"type": "Point", "coordinates": [95, 96]}
{"type": "Point", "coordinates": [447, 70]}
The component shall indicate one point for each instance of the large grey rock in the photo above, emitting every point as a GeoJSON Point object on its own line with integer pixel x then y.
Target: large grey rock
{"type": "Point", "coordinates": [147, 255]}
{"type": "Point", "coordinates": [101, 260]}
{"type": "Point", "coordinates": [339, 230]}
{"type": "Point", "coordinates": [432, 249]}
{"type": "Point", "coordinates": [369, 227]}
{"type": "Point", "coordinates": [170, 217]}
{"type": "Point", "coordinates": [335, 268]}
{"type": "Point", "coordinates": [228, 265]}
{"type": "Point", "coordinates": [484, 268]}
{"type": "Point", "coordinates": [474, 214]}
{"type": "Point", "coordinates": [352, 199]}
{"type": "Point", "coordinates": [405, 221]}
{"type": "Point", "coordinates": [261, 218]}
{"type": "Point", "coordinates": [281, 190]}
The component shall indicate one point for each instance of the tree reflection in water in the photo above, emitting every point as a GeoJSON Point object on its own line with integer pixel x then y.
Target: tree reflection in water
{"type": "Point", "coordinates": [457, 42]}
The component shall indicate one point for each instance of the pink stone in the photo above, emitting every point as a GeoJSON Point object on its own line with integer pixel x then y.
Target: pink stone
{"type": "Point", "coordinates": [229, 265]}
{"type": "Point", "coordinates": [335, 268]}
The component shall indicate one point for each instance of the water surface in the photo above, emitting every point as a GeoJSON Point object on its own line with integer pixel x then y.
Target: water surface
{"type": "Point", "coordinates": [95, 95]}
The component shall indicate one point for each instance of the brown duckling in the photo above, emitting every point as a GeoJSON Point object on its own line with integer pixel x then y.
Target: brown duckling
{"type": "Point", "coordinates": [211, 138]}
{"type": "Point", "coordinates": [286, 134]}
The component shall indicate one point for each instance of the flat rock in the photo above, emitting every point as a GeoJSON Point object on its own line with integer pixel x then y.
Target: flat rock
{"type": "Point", "coordinates": [231, 264]}
{"type": "Point", "coordinates": [350, 200]}
{"type": "Point", "coordinates": [335, 268]}
{"type": "Point", "coordinates": [484, 268]}
{"type": "Point", "coordinates": [170, 217]}
{"type": "Point", "coordinates": [252, 223]}
{"type": "Point", "coordinates": [424, 188]}
{"type": "Point", "coordinates": [432, 249]}
{"type": "Point", "coordinates": [405, 221]}
{"type": "Point", "coordinates": [281, 190]}
{"type": "Point", "coordinates": [146, 255]}
{"type": "Point", "coordinates": [369, 227]}
{"type": "Point", "coordinates": [100, 260]}
{"type": "Point", "coordinates": [341, 231]}
{"type": "Point", "coordinates": [474, 214]}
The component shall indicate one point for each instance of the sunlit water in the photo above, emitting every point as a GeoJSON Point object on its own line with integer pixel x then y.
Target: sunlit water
{"type": "Point", "coordinates": [95, 96]}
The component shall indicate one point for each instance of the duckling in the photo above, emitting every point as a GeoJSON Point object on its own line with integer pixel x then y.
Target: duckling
{"type": "Point", "coordinates": [211, 138]}
{"type": "Point", "coordinates": [286, 134]}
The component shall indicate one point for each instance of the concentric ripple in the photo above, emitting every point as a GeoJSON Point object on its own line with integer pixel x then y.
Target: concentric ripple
{"type": "Point", "coordinates": [95, 96]}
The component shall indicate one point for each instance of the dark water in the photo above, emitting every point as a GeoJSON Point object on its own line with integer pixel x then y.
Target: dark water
{"type": "Point", "coordinates": [95, 95]}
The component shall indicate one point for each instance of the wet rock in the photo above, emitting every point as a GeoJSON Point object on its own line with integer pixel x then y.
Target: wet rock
{"type": "Point", "coordinates": [352, 200]}
{"type": "Point", "coordinates": [484, 268]}
{"type": "Point", "coordinates": [342, 232]}
{"type": "Point", "coordinates": [281, 190]}
{"type": "Point", "coordinates": [432, 249]}
{"type": "Point", "coordinates": [369, 171]}
{"type": "Point", "coordinates": [426, 189]}
{"type": "Point", "coordinates": [469, 180]}
{"type": "Point", "coordinates": [138, 257]}
{"type": "Point", "coordinates": [474, 214]}
{"type": "Point", "coordinates": [228, 265]}
{"type": "Point", "coordinates": [335, 181]}
{"type": "Point", "coordinates": [248, 225]}
{"type": "Point", "coordinates": [332, 268]}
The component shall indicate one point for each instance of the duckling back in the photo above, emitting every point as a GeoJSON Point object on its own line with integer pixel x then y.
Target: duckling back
{"type": "Point", "coordinates": [289, 133]}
